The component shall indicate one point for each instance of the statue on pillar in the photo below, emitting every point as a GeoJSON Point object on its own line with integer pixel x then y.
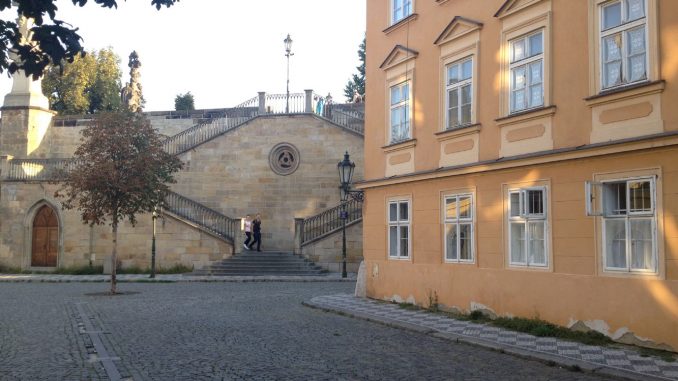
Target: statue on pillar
{"type": "Point", "coordinates": [131, 93]}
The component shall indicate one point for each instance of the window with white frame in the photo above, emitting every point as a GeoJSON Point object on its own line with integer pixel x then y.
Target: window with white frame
{"type": "Point", "coordinates": [399, 229]}
{"type": "Point", "coordinates": [527, 71]}
{"type": "Point", "coordinates": [458, 223]}
{"type": "Point", "coordinates": [627, 208]}
{"type": "Point", "coordinates": [400, 9]}
{"type": "Point", "coordinates": [623, 44]}
{"type": "Point", "coordinates": [400, 112]}
{"type": "Point", "coordinates": [528, 226]}
{"type": "Point", "coordinates": [459, 90]}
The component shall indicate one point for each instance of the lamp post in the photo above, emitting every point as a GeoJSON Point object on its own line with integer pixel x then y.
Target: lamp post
{"type": "Point", "coordinates": [288, 54]}
{"type": "Point", "coordinates": [155, 217]}
{"type": "Point", "coordinates": [346, 168]}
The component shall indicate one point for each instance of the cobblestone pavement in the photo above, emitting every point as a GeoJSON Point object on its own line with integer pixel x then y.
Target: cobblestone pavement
{"type": "Point", "coordinates": [163, 278]}
{"type": "Point", "coordinates": [629, 362]}
{"type": "Point", "coordinates": [224, 331]}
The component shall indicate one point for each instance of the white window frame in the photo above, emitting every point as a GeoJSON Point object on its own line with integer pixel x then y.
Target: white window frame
{"type": "Point", "coordinates": [525, 63]}
{"type": "Point", "coordinates": [522, 216]}
{"type": "Point", "coordinates": [400, 5]}
{"type": "Point", "coordinates": [457, 221]}
{"type": "Point", "coordinates": [458, 86]}
{"type": "Point", "coordinates": [623, 30]}
{"type": "Point", "coordinates": [595, 206]}
{"type": "Point", "coordinates": [399, 223]}
{"type": "Point", "coordinates": [406, 106]}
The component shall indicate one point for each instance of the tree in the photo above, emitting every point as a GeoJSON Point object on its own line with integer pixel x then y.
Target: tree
{"type": "Point", "coordinates": [184, 102]}
{"type": "Point", "coordinates": [357, 82]}
{"type": "Point", "coordinates": [122, 170]}
{"type": "Point", "coordinates": [49, 41]}
{"type": "Point", "coordinates": [88, 85]}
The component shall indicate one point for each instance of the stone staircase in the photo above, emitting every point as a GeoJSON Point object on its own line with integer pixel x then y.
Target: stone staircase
{"type": "Point", "coordinates": [265, 263]}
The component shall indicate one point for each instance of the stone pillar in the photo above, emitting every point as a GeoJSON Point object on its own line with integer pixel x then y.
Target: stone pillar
{"type": "Point", "coordinates": [262, 102]}
{"type": "Point", "coordinates": [298, 234]}
{"type": "Point", "coordinates": [239, 239]}
{"type": "Point", "coordinates": [309, 101]}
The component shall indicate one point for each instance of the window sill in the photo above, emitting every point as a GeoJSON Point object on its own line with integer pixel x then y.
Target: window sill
{"type": "Point", "coordinates": [405, 144]}
{"type": "Point", "coordinates": [526, 115]}
{"type": "Point", "coordinates": [400, 259]}
{"type": "Point", "coordinates": [530, 268]}
{"type": "Point", "coordinates": [631, 275]}
{"type": "Point", "coordinates": [400, 23]}
{"type": "Point", "coordinates": [441, 2]}
{"type": "Point", "coordinates": [448, 262]}
{"type": "Point", "coordinates": [458, 131]}
{"type": "Point", "coordinates": [626, 92]}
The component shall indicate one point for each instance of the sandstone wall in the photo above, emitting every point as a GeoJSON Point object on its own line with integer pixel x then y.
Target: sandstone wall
{"type": "Point", "coordinates": [231, 173]}
{"type": "Point", "coordinates": [176, 242]}
{"type": "Point", "coordinates": [328, 251]}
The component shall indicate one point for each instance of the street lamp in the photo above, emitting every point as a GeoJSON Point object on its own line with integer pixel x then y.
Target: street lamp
{"type": "Point", "coordinates": [288, 53]}
{"type": "Point", "coordinates": [155, 217]}
{"type": "Point", "coordinates": [346, 168]}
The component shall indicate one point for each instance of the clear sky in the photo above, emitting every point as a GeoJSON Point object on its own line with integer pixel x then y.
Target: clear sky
{"type": "Point", "coordinates": [224, 51]}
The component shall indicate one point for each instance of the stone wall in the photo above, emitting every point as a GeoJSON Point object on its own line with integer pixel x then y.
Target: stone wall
{"type": "Point", "coordinates": [231, 173]}
{"type": "Point", "coordinates": [327, 252]}
{"type": "Point", "coordinates": [176, 242]}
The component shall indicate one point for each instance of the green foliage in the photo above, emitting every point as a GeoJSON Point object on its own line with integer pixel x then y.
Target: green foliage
{"type": "Point", "coordinates": [176, 269]}
{"type": "Point", "coordinates": [543, 328]}
{"type": "Point", "coordinates": [184, 102]}
{"type": "Point", "coordinates": [357, 81]}
{"type": "Point", "coordinates": [12, 270]}
{"type": "Point", "coordinates": [53, 42]}
{"type": "Point", "coordinates": [433, 305]}
{"type": "Point", "coordinates": [476, 315]}
{"type": "Point", "coordinates": [80, 270]}
{"type": "Point", "coordinates": [90, 84]}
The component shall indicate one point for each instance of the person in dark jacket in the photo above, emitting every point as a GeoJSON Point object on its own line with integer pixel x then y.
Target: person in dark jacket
{"type": "Point", "coordinates": [256, 230]}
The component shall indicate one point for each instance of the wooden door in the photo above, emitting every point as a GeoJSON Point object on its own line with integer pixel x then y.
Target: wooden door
{"type": "Point", "coordinates": [45, 238]}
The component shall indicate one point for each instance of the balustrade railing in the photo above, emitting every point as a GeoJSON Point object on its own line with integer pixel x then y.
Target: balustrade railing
{"type": "Point", "coordinates": [209, 219]}
{"type": "Point", "coordinates": [36, 169]}
{"type": "Point", "coordinates": [330, 220]}
{"type": "Point", "coordinates": [277, 103]}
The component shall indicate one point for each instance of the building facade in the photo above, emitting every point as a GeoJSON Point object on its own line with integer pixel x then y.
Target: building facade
{"type": "Point", "coordinates": [522, 159]}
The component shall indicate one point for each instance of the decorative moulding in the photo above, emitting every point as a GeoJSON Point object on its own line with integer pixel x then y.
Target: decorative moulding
{"type": "Point", "coordinates": [458, 27]}
{"type": "Point", "coordinates": [512, 6]}
{"type": "Point", "coordinates": [400, 23]}
{"type": "Point", "coordinates": [398, 55]}
{"type": "Point", "coordinates": [526, 115]}
{"type": "Point", "coordinates": [400, 146]}
{"type": "Point", "coordinates": [458, 132]}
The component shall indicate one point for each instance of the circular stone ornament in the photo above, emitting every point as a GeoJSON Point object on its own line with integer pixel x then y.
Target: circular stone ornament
{"type": "Point", "coordinates": [284, 159]}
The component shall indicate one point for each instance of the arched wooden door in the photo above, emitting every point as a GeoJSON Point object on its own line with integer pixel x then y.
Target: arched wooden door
{"type": "Point", "coordinates": [45, 238]}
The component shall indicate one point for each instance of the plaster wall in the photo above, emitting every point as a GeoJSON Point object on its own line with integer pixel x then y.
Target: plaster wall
{"type": "Point", "coordinates": [573, 288]}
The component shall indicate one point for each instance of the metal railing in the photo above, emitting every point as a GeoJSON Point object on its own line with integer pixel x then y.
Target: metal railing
{"type": "Point", "coordinates": [330, 220]}
{"type": "Point", "coordinates": [209, 219]}
{"type": "Point", "coordinates": [277, 103]}
{"type": "Point", "coordinates": [36, 169]}
{"type": "Point", "coordinates": [207, 130]}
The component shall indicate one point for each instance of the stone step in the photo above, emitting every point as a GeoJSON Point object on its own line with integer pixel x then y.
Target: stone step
{"type": "Point", "coordinates": [267, 268]}
{"type": "Point", "coordinates": [269, 263]}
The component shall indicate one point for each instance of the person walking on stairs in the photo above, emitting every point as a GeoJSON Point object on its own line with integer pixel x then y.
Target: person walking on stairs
{"type": "Point", "coordinates": [248, 231]}
{"type": "Point", "coordinates": [256, 229]}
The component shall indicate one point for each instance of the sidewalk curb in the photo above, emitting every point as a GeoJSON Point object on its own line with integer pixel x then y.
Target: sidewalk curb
{"type": "Point", "coordinates": [573, 365]}
{"type": "Point", "coordinates": [174, 280]}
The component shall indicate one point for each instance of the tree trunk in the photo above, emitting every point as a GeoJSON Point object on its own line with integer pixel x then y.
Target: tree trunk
{"type": "Point", "coordinates": [114, 259]}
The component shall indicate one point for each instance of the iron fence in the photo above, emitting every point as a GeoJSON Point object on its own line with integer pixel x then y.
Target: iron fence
{"type": "Point", "coordinates": [330, 220]}
{"type": "Point", "coordinates": [209, 219]}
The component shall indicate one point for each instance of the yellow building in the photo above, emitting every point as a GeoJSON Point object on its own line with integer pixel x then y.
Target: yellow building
{"type": "Point", "coordinates": [522, 158]}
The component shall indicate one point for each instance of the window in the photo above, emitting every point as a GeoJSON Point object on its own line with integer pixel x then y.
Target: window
{"type": "Point", "coordinates": [400, 112]}
{"type": "Point", "coordinates": [400, 9]}
{"type": "Point", "coordinates": [629, 224]}
{"type": "Point", "coordinates": [528, 227]}
{"type": "Point", "coordinates": [399, 229]}
{"type": "Point", "coordinates": [459, 93]}
{"type": "Point", "coordinates": [623, 33]}
{"type": "Point", "coordinates": [458, 223]}
{"type": "Point", "coordinates": [527, 71]}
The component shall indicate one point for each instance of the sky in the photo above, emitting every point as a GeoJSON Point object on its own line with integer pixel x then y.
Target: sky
{"type": "Point", "coordinates": [225, 51]}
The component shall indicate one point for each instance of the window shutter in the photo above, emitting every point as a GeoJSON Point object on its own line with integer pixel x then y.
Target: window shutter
{"type": "Point", "coordinates": [594, 191]}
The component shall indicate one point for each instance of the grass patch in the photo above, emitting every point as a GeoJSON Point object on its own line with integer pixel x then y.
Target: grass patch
{"type": "Point", "coordinates": [176, 269]}
{"type": "Point", "coordinates": [409, 306]}
{"type": "Point", "coordinates": [12, 270]}
{"type": "Point", "coordinates": [79, 270]}
{"type": "Point", "coordinates": [664, 355]}
{"type": "Point", "coordinates": [541, 328]}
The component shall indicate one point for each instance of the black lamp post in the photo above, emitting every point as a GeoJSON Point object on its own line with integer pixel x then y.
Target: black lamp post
{"type": "Point", "coordinates": [155, 217]}
{"type": "Point", "coordinates": [288, 54]}
{"type": "Point", "coordinates": [346, 168]}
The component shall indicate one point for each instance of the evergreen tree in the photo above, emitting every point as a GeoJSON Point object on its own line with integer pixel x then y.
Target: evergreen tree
{"type": "Point", "coordinates": [357, 82]}
{"type": "Point", "coordinates": [184, 102]}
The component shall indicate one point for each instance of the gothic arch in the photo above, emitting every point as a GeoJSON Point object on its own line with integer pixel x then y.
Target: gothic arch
{"type": "Point", "coordinates": [46, 215]}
